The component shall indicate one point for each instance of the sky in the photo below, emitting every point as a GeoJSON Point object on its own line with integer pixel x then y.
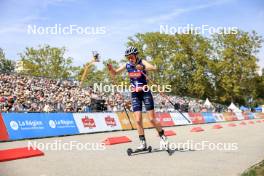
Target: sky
{"type": "Point", "coordinates": [110, 23]}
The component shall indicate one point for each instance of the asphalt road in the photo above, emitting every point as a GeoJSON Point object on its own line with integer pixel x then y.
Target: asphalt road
{"type": "Point", "coordinates": [227, 151]}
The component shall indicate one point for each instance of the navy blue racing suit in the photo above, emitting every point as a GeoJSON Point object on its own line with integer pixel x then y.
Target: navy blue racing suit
{"type": "Point", "coordinates": [137, 79]}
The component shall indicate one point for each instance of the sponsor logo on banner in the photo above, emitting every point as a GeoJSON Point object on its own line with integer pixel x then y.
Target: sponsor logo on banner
{"type": "Point", "coordinates": [164, 119]}
{"type": "Point", "coordinates": [145, 120]}
{"type": "Point", "coordinates": [96, 122]}
{"type": "Point", "coordinates": [196, 118]}
{"type": "Point", "coordinates": [208, 117]}
{"type": "Point", "coordinates": [240, 116]}
{"type": "Point", "coordinates": [52, 124]}
{"type": "Point", "coordinates": [62, 123]}
{"type": "Point", "coordinates": [218, 117]}
{"type": "Point", "coordinates": [188, 117]}
{"type": "Point", "coordinates": [26, 125]}
{"type": "Point", "coordinates": [124, 121]}
{"type": "Point", "coordinates": [35, 125]}
{"type": "Point", "coordinates": [259, 115]}
{"type": "Point", "coordinates": [14, 125]}
{"type": "Point", "coordinates": [230, 116]}
{"type": "Point", "coordinates": [110, 121]}
{"type": "Point", "coordinates": [179, 119]}
{"type": "Point", "coordinates": [88, 122]}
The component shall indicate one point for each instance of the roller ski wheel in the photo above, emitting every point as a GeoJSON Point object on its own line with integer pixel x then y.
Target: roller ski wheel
{"type": "Point", "coordinates": [131, 151]}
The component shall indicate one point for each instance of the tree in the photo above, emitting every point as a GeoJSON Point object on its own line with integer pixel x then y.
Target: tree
{"type": "Point", "coordinates": [6, 65]}
{"type": "Point", "coordinates": [235, 67]}
{"type": "Point", "coordinates": [222, 67]}
{"type": "Point", "coordinates": [191, 66]}
{"type": "Point", "coordinates": [156, 48]}
{"type": "Point", "coordinates": [47, 61]}
{"type": "Point", "coordinates": [181, 60]}
{"type": "Point", "coordinates": [259, 89]}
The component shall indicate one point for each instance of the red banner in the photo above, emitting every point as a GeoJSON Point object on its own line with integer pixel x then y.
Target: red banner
{"type": "Point", "coordinates": [3, 132]}
{"type": "Point", "coordinates": [259, 115]}
{"type": "Point", "coordinates": [196, 117]}
{"type": "Point", "coordinates": [164, 119]}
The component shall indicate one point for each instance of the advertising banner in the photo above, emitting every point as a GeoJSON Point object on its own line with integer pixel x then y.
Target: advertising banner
{"type": "Point", "coordinates": [164, 119]}
{"type": "Point", "coordinates": [196, 118]}
{"type": "Point", "coordinates": [241, 116]}
{"type": "Point", "coordinates": [95, 122]}
{"type": "Point", "coordinates": [34, 125]}
{"type": "Point", "coordinates": [179, 119]}
{"type": "Point", "coordinates": [146, 121]}
{"type": "Point", "coordinates": [230, 116]}
{"type": "Point", "coordinates": [3, 132]}
{"type": "Point", "coordinates": [259, 115]}
{"type": "Point", "coordinates": [124, 121]}
{"type": "Point", "coordinates": [208, 117]}
{"type": "Point", "coordinates": [218, 117]}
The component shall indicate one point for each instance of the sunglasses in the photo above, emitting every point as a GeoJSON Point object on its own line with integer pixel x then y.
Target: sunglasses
{"type": "Point", "coordinates": [131, 57]}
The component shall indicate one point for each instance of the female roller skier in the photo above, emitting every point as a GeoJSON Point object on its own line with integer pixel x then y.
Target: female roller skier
{"type": "Point", "coordinates": [137, 69]}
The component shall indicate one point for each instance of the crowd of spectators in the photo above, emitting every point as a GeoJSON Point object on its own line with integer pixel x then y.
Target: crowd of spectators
{"type": "Point", "coordinates": [22, 93]}
{"type": "Point", "coordinates": [186, 104]}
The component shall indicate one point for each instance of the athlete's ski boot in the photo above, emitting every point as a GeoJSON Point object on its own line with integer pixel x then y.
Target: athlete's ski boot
{"type": "Point", "coordinates": [143, 145]}
{"type": "Point", "coordinates": [164, 142]}
{"type": "Point", "coordinates": [142, 148]}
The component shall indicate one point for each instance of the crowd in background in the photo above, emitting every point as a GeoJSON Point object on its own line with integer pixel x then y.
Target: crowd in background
{"type": "Point", "coordinates": [21, 93]}
{"type": "Point", "coordinates": [186, 104]}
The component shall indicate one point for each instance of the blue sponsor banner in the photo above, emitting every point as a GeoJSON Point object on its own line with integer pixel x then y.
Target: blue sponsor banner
{"type": "Point", "coordinates": [35, 125]}
{"type": "Point", "coordinates": [208, 117]}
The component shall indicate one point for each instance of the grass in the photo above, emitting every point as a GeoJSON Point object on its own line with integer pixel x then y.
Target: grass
{"type": "Point", "coordinates": [255, 170]}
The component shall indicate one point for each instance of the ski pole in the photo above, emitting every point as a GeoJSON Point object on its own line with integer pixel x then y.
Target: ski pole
{"type": "Point", "coordinates": [114, 81]}
{"type": "Point", "coordinates": [166, 97]}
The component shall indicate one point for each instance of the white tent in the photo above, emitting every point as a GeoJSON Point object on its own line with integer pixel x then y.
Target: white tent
{"type": "Point", "coordinates": [208, 104]}
{"type": "Point", "coordinates": [234, 108]}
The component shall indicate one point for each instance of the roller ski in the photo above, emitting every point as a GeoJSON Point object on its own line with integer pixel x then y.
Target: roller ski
{"type": "Point", "coordinates": [142, 148]}
{"type": "Point", "coordinates": [165, 145]}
